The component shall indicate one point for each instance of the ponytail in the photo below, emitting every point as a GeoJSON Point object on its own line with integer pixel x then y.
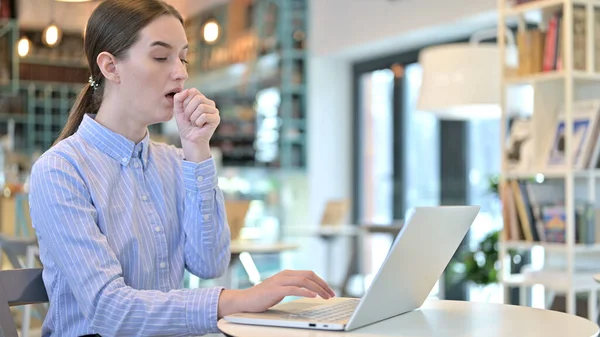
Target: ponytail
{"type": "Point", "coordinates": [88, 101]}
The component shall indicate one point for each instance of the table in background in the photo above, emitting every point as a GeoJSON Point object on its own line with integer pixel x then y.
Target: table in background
{"type": "Point", "coordinates": [238, 247]}
{"type": "Point", "coordinates": [448, 319]}
{"type": "Point", "coordinates": [329, 233]}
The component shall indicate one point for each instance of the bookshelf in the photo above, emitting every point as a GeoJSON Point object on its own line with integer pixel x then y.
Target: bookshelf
{"type": "Point", "coordinates": [256, 74]}
{"type": "Point", "coordinates": [512, 8]}
{"type": "Point", "coordinates": [558, 63]}
{"type": "Point", "coordinates": [551, 76]}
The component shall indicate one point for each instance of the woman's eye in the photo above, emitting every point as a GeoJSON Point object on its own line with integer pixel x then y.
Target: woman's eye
{"type": "Point", "coordinates": [184, 61]}
{"type": "Point", "coordinates": [160, 59]}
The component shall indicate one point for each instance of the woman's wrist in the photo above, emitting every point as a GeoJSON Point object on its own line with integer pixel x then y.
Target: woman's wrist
{"type": "Point", "coordinates": [196, 152]}
{"type": "Point", "coordinates": [229, 302]}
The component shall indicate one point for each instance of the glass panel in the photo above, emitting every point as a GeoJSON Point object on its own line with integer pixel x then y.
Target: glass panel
{"type": "Point", "coordinates": [377, 147]}
{"type": "Point", "coordinates": [376, 164]}
{"type": "Point", "coordinates": [422, 150]}
{"type": "Point", "coordinates": [483, 165]}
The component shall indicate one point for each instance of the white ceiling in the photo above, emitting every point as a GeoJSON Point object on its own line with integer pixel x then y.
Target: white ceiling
{"type": "Point", "coordinates": [71, 16]}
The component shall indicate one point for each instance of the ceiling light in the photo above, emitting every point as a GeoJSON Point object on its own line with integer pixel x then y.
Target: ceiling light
{"type": "Point", "coordinates": [463, 80]}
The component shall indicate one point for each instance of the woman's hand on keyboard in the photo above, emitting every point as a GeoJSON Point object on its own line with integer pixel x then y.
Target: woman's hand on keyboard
{"type": "Point", "coordinates": [271, 291]}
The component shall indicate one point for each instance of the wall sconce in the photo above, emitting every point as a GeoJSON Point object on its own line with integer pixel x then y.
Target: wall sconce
{"type": "Point", "coordinates": [23, 46]}
{"type": "Point", "coordinates": [52, 35]}
{"type": "Point", "coordinates": [211, 31]}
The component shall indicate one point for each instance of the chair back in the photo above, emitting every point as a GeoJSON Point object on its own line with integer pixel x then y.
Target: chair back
{"type": "Point", "coordinates": [236, 216]}
{"type": "Point", "coordinates": [15, 249]}
{"type": "Point", "coordinates": [335, 212]}
{"type": "Point", "coordinates": [19, 287]}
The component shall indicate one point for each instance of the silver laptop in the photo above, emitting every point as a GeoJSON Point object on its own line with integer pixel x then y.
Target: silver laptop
{"type": "Point", "coordinates": [415, 262]}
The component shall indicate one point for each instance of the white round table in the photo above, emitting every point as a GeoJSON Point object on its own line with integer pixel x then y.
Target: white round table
{"type": "Point", "coordinates": [238, 247]}
{"type": "Point", "coordinates": [448, 319]}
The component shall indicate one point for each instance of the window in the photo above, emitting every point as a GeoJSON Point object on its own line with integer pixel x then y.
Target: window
{"type": "Point", "coordinates": [376, 151]}
{"type": "Point", "coordinates": [422, 150]}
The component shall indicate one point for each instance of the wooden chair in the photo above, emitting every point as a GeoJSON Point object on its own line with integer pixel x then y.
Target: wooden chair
{"type": "Point", "coordinates": [335, 212]}
{"type": "Point", "coordinates": [236, 216]}
{"type": "Point", "coordinates": [19, 287]}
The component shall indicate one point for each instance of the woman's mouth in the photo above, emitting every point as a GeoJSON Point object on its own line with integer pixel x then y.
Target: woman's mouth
{"type": "Point", "coordinates": [170, 97]}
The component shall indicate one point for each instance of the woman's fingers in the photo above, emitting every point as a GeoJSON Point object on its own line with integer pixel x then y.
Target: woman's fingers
{"type": "Point", "coordinates": [203, 108]}
{"type": "Point", "coordinates": [204, 119]}
{"type": "Point", "coordinates": [296, 291]}
{"type": "Point", "coordinates": [312, 276]}
{"type": "Point", "coordinates": [307, 283]}
{"type": "Point", "coordinates": [192, 105]}
{"type": "Point", "coordinates": [315, 278]}
{"type": "Point", "coordinates": [194, 101]}
{"type": "Point", "coordinates": [192, 92]}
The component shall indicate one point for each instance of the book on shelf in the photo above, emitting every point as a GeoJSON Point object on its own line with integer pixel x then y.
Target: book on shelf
{"type": "Point", "coordinates": [530, 214]}
{"type": "Point", "coordinates": [530, 45]}
{"type": "Point", "coordinates": [541, 49]}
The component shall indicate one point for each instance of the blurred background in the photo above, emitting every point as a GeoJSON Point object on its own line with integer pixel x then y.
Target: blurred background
{"type": "Point", "coordinates": [339, 117]}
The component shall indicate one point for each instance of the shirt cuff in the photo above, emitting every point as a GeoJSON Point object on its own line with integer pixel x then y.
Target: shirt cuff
{"type": "Point", "coordinates": [200, 177]}
{"type": "Point", "coordinates": [201, 310]}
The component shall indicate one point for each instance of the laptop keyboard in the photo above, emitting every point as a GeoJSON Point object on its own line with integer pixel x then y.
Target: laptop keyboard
{"type": "Point", "coordinates": [330, 312]}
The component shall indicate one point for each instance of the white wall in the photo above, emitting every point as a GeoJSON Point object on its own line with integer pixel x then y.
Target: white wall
{"type": "Point", "coordinates": [344, 31]}
{"type": "Point", "coordinates": [345, 25]}
{"type": "Point", "coordinates": [329, 128]}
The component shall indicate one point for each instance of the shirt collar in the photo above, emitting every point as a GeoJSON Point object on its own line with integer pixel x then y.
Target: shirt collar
{"type": "Point", "coordinates": [113, 144]}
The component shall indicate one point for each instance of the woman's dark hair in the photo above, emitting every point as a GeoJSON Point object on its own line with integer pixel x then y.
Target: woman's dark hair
{"type": "Point", "coordinates": [113, 27]}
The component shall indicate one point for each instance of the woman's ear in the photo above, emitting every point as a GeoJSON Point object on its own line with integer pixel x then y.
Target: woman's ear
{"type": "Point", "coordinates": [108, 66]}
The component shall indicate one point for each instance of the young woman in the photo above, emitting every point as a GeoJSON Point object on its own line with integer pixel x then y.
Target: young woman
{"type": "Point", "coordinates": [119, 217]}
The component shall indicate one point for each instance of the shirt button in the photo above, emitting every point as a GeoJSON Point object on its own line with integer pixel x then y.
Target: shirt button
{"type": "Point", "coordinates": [124, 159]}
{"type": "Point", "coordinates": [206, 216]}
{"type": "Point", "coordinates": [144, 197]}
{"type": "Point", "coordinates": [200, 179]}
{"type": "Point", "coordinates": [157, 228]}
{"type": "Point", "coordinates": [136, 165]}
{"type": "Point", "coordinates": [163, 265]}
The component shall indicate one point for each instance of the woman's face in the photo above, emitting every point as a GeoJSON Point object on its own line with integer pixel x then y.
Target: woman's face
{"type": "Point", "coordinates": [153, 70]}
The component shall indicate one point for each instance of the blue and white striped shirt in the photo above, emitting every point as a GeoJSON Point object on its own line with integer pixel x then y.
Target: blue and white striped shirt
{"type": "Point", "coordinates": [117, 224]}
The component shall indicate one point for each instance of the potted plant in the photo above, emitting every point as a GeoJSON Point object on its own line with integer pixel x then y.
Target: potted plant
{"type": "Point", "coordinates": [479, 266]}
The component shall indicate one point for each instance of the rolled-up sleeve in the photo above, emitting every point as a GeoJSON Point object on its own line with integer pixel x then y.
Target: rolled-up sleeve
{"type": "Point", "coordinates": [65, 221]}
